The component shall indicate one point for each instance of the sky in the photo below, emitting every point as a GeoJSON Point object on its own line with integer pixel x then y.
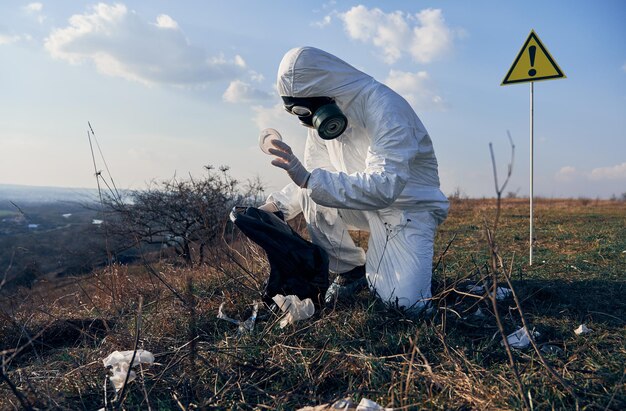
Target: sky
{"type": "Point", "coordinates": [172, 86]}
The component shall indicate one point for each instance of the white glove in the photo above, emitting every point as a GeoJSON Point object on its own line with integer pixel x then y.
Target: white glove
{"type": "Point", "coordinates": [269, 207]}
{"type": "Point", "coordinates": [290, 163]}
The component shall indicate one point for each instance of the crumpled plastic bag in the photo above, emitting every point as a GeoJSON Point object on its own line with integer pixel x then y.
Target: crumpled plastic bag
{"type": "Point", "coordinates": [520, 338]}
{"type": "Point", "coordinates": [582, 330]}
{"type": "Point", "coordinates": [294, 308]}
{"type": "Point", "coordinates": [347, 404]}
{"type": "Point", "coordinates": [119, 361]}
{"type": "Point", "coordinates": [369, 405]}
{"type": "Point", "coordinates": [245, 327]}
{"type": "Point", "coordinates": [501, 292]}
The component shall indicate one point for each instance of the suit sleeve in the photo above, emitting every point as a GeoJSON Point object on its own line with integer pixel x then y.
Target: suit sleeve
{"type": "Point", "coordinates": [393, 143]}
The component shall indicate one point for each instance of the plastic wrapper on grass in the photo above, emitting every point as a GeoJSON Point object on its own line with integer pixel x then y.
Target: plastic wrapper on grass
{"type": "Point", "coordinates": [244, 327]}
{"type": "Point", "coordinates": [119, 361]}
{"type": "Point", "coordinates": [294, 308]}
{"type": "Point", "coordinates": [501, 292]}
{"type": "Point", "coordinates": [347, 404]}
{"type": "Point", "coordinates": [520, 338]}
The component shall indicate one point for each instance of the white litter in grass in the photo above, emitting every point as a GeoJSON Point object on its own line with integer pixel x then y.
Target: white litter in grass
{"type": "Point", "coordinates": [369, 405]}
{"type": "Point", "coordinates": [295, 309]}
{"type": "Point", "coordinates": [119, 361]}
{"type": "Point", "coordinates": [520, 338]}
{"type": "Point", "coordinates": [501, 292]}
{"type": "Point", "coordinates": [245, 327]}
{"type": "Point", "coordinates": [582, 330]}
{"type": "Point", "coordinates": [347, 404]}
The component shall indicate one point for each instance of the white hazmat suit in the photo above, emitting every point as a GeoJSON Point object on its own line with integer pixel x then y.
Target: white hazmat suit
{"type": "Point", "coordinates": [380, 176]}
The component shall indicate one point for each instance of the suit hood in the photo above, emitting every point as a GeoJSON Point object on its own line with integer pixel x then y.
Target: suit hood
{"type": "Point", "coordinates": [311, 72]}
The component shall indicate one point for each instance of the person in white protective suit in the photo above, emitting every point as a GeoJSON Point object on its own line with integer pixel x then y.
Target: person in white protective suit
{"type": "Point", "coordinates": [368, 164]}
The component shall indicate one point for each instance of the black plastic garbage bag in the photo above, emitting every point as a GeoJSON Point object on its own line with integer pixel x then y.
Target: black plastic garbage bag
{"type": "Point", "coordinates": [297, 266]}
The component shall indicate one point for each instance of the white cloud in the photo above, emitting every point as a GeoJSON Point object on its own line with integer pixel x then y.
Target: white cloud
{"type": "Point", "coordinates": [121, 44]}
{"type": "Point", "coordinates": [567, 173]}
{"type": "Point", "coordinates": [431, 38]}
{"type": "Point", "coordinates": [166, 22]}
{"type": "Point", "coordinates": [322, 23]}
{"type": "Point", "coordinates": [34, 7]}
{"type": "Point", "coordinates": [609, 173]}
{"type": "Point", "coordinates": [624, 67]}
{"type": "Point", "coordinates": [9, 39]}
{"type": "Point", "coordinates": [424, 35]}
{"type": "Point", "coordinates": [416, 88]}
{"type": "Point", "coordinates": [241, 92]}
{"type": "Point", "coordinates": [239, 61]}
{"type": "Point", "coordinates": [254, 76]}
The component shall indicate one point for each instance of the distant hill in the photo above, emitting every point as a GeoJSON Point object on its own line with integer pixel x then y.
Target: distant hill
{"type": "Point", "coordinates": [36, 194]}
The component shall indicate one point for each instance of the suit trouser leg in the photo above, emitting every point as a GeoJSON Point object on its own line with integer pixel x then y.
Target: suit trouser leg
{"type": "Point", "coordinates": [400, 248]}
{"type": "Point", "coordinates": [399, 256]}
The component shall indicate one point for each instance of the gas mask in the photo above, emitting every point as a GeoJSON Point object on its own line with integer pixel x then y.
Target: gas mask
{"type": "Point", "coordinates": [320, 113]}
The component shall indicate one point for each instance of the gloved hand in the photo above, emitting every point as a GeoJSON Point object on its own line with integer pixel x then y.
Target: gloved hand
{"type": "Point", "coordinates": [290, 163]}
{"type": "Point", "coordinates": [269, 207]}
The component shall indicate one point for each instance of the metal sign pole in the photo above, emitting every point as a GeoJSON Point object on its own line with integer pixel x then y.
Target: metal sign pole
{"type": "Point", "coordinates": [531, 171]}
{"type": "Point", "coordinates": [533, 62]}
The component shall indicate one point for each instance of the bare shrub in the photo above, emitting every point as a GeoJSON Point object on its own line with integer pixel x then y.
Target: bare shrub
{"type": "Point", "coordinates": [187, 215]}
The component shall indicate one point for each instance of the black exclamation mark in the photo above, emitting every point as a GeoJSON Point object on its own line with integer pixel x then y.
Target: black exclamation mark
{"type": "Point", "coordinates": [531, 51]}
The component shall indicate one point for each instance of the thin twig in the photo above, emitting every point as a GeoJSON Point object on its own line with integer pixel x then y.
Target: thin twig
{"type": "Point", "coordinates": [543, 360]}
{"type": "Point", "coordinates": [132, 359]}
{"type": "Point", "coordinates": [143, 387]}
{"type": "Point", "coordinates": [496, 263]}
{"type": "Point", "coordinates": [444, 252]}
{"type": "Point", "coordinates": [505, 342]}
{"type": "Point", "coordinates": [6, 272]}
{"type": "Point", "coordinates": [161, 279]}
{"type": "Point", "coordinates": [119, 198]}
{"type": "Point", "coordinates": [191, 304]}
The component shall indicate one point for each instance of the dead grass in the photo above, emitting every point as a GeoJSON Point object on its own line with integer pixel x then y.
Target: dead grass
{"type": "Point", "coordinates": [54, 337]}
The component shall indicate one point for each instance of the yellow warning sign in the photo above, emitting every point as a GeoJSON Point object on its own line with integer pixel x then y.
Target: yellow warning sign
{"type": "Point", "coordinates": [533, 63]}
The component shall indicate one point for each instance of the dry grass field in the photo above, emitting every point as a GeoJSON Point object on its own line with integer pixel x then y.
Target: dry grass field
{"type": "Point", "coordinates": [54, 336]}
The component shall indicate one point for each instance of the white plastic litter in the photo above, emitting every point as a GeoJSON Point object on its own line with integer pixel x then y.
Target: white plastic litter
{"type": "Point", "coordinates": [520, 338]}
{"type": "Point", "coordinates": [120, 363]}
{"type": "Point", "coordinates": [265, 139]}
{"type": "Point", "coordinates": [501, 292]}
{"type": "Point", "coordinates": [295, 309]}
{"type": "Point", "coordinates": [347, 404]}
{"type": "Point", "coordinates": [582, 330]}
{"type": "Point", "coordinates": [369, 405]}
{"type": "Point", "coordinates": [245, 327]}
